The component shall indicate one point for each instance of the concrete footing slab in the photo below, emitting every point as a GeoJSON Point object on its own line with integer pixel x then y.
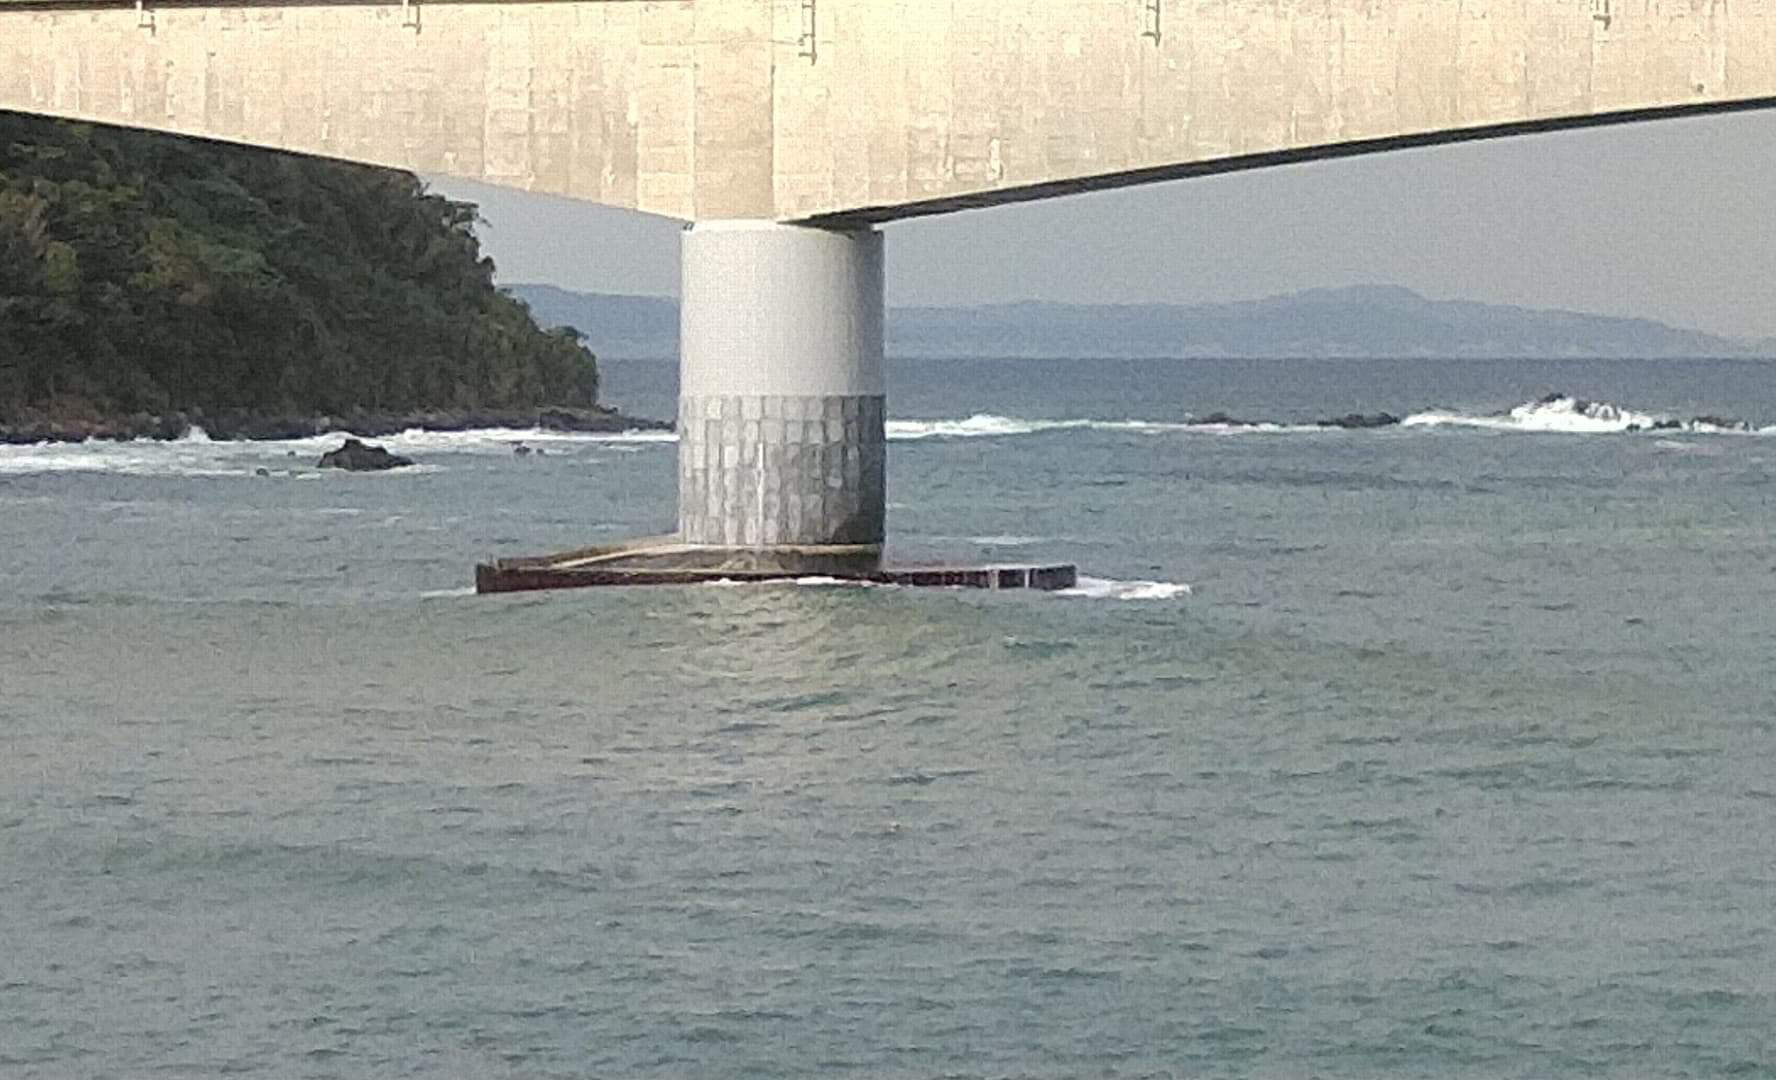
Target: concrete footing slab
{"type": "Point", "coordinates": [668, 561]}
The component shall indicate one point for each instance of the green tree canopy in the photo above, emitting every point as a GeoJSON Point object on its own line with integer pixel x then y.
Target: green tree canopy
{"type": "Point", "coordinates": [150, 273]}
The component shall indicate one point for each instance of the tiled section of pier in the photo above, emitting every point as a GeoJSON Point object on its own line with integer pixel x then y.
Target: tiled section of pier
{"type": "Point", "coordinates": [764, 470]}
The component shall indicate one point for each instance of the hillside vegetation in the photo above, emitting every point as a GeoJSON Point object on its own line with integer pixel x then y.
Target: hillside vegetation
{"type": "Point", "coordinates": [143, 275]}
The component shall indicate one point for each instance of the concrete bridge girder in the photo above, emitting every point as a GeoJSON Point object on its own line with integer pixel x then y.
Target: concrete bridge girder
{"type": "Point", "coordinates": [851, 111]}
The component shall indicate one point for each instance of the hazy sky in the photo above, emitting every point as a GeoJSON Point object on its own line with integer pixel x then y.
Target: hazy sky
{"type": "Point", "coordinates": [1673, 220]}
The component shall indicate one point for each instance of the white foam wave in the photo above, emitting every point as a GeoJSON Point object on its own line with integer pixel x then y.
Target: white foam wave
{"type": "Point", "coordinates": [1006, 540]}
{"type": "Point", "coordinates": [1572, 416]}
{"type": "Point", "coordinates": [1255, 429]}
{"type": "Point", "coordinates": [195, 454]}
{"type": "Point", "coordinates": [817, 581]}
{"type": "Point", "coordinates": [477, 440]}
{"type": "Point", "coordinates": [1092, 588]}
{"type": "Point", "coordinates": [988, 425]}
{"type": "Point", "coordinates": [977, 426]}
{"type": "Point", "coordinates": [139, 458]}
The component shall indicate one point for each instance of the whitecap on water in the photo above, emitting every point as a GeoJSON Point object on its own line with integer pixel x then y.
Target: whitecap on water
{"type": "Point", "coordinates": [976, 426]}
{"type": "Point", "coordinates": [477, 440]}
{"type": "Point", "coordinates": [1092, 588]}
{"type": "Point", "coordinates": [190, 456]}
{"type": "Point", "coordinates": [813, 580]}
{"type": "Point", "coordinates": [987, 425]}
{"type": "Point", "coordinates": [1573, 416]}
{"type": "Point", "coordinates": [195, 454]}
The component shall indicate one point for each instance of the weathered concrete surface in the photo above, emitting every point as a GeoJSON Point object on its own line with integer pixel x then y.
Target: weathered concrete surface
{"type": "Point", "coordinates": [661, 106]}
{"type": "Point", "coordinates": [929, 106]}
{"type": "Point", "coordinates": [861, 110]}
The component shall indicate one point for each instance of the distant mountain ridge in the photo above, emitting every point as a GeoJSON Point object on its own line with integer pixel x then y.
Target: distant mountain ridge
{"type": "Point", "coordinates": [1360, 321]}
{"type": "Point", "coordinates": [634, 327]}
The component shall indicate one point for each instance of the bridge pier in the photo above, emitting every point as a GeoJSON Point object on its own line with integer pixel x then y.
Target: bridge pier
{"type": "Point", "coordinates": [780, 415]}
{"type": "Point", "coordinates": [781, 436]}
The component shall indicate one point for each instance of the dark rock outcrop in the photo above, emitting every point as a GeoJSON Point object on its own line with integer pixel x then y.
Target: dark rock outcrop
{"type": "Point", "coordinates": [357, 456]}
{"type": "Point", "coordinates": [1362, 420]}
{"type": "Point", "coordinates": [1349, 420]}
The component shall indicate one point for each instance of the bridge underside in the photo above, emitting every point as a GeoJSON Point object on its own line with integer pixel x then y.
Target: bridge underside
{"type": "Point", "coordinates": [1054, 189]}
{"type": "Point", "coordinates": [856, 111]}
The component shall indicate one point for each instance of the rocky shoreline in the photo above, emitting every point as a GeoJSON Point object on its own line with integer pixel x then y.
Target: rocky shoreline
{"type": "Point", "coordinates": [234, 424]}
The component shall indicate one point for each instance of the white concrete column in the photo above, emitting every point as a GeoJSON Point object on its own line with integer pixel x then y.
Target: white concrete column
{"type": "Point", "coordinates": [780, 409]}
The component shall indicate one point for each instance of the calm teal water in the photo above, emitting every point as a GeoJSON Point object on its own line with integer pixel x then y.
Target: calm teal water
{"type": "Point", "coordinates": [1456, 759]}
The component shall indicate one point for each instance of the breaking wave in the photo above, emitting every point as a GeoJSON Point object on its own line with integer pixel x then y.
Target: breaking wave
{"type": "Point", "coordinates": [196, 454]}
{"type": "Point", "coordinates": [1087, 588]}
{"type": "Point", "coordinates": [1560, 413]}
{"type": "Point", "coordinates": [1092, 588]}
{"type": "Point", "coordinates": [987, 425]}
{"type": "Point", "coordinates": [1007, 540]}
{"type": "Point", "coordinates": [1571, 415]}
{"type": "Point", "coordinates": [192, 454]}
{"type": "Point", "coordinates": [805, 581]}
{"type": "Point", "coordinates": [484, 440]}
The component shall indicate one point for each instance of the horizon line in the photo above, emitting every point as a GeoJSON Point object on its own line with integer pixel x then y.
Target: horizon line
{"type": "Point", "coordinates": [1752, 339]}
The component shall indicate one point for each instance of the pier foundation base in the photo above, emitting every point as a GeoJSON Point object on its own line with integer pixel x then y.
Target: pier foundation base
{"type": "Point", "coordinates": [665, 561]}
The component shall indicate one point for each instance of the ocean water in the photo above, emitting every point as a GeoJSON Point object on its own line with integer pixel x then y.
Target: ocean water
{"type": "Point", "coordinates": [1441, 749]}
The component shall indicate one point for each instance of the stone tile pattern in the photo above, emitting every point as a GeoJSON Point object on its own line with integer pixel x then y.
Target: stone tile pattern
{"type": "Point", "coordinates": [766, 470]}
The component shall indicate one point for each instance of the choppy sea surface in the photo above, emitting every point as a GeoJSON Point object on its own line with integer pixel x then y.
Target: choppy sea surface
{"type": "Point", "coordinates": [1442, 749]}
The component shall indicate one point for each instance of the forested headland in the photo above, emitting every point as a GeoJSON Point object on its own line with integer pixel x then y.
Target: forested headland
{"type": "Point", "coordinates": [148, 282]}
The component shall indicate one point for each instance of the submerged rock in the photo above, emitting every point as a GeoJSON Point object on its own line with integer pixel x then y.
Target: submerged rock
{"type": "Point", "coordinates": [356, 456]}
